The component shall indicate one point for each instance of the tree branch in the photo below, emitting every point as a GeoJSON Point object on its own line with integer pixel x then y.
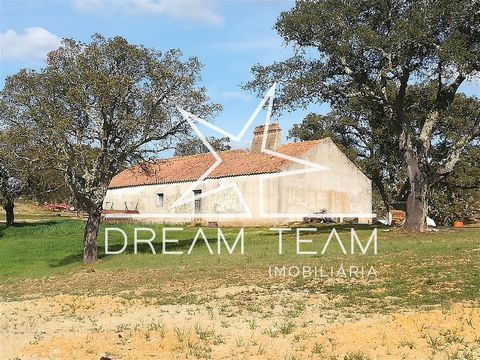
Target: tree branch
{"type": "Point", "coordinates": [454, 156]}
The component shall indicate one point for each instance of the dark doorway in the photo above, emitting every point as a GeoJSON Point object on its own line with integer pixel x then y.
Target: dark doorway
{"type": "Point", "coordinates": [198, 201]}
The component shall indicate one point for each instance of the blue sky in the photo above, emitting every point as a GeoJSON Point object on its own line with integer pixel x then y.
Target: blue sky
{"type": "Point", "coordinates": [227, 36]}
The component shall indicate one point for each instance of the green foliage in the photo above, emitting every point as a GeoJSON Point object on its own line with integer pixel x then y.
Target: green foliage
{"type": "Point", "coordinates": [195, 146]}
{"type": "Point", "coordinates": [405, 263]}
{"type": "Point", "coordinates": [98, 107]}
{"type": "Point", "coordinates": [401, 63]}
{"type": "Point", "coordinates": [10, 186]}
{"type": "Point", "coordinates": [38, 179]}
{"type": "Point", "coordinates": [375, 151]}
{"type": "Point", "coordinates": [458, 196]}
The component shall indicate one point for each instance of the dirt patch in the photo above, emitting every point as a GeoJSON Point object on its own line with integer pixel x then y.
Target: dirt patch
{"type": "Point", "coordinates": [252, 322]}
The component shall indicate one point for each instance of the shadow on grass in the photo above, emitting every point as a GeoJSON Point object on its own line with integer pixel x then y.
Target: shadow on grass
{"type": "Point", "coordinates": [29, 224]}
{"type": "Point", "coordinates": [19, 224]}
{"type": "Point", "coordinates": [181, 245]}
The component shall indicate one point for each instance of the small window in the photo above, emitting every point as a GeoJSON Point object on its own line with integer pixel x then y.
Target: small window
{"type": "Point", "coordinates": [198, 201]}
{"type": "Point", "coordinates": [160, 199]}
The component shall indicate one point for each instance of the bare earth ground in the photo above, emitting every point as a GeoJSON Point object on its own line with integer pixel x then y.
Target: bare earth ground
{"type": "Point", "coordinates": [263, 321]}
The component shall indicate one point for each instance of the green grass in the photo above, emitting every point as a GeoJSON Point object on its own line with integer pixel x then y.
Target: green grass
{"type": "Point", "coordinates": [432, 268]}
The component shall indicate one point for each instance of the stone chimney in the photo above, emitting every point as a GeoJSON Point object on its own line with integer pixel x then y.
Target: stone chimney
{"type": "Point", "coordinates": [274, 137]}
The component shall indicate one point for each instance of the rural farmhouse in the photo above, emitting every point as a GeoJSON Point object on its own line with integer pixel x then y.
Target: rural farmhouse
{"type": "Point", "coordinates": [250, 192]}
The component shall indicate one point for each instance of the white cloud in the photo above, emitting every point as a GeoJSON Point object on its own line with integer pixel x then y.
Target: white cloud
{"type": "Point", "coordinates": [204, 11]}
{"type": "Point", "coordinates": [88, 5]}
{"type": "Point", "coordinates": [235, 95]}
{"type": "Point", "coordinates": [33, 44]}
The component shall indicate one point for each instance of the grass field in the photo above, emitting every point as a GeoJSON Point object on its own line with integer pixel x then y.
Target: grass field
{"type": "Point", "coordinates": [423, 303]}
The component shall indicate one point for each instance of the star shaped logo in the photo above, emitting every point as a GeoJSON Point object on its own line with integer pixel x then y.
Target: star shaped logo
{"type": "Point", "coordinates": [189, 196]}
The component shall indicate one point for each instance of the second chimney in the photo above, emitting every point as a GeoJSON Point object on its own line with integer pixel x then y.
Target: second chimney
{"type": "Point", "coordinates": [274, 137]}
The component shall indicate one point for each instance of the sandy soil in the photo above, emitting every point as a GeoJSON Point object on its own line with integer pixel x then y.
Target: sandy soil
{"type": "Point", "coordinates": [232, 323]}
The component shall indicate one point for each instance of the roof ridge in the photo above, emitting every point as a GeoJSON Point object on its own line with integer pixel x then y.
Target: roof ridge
{"type": "Point", "coordinates": [235, 162]}
{"type": "Point", "coordinates": [183, 157]}
{"type": "Point", "coordinates": [305, 141]}
{"type": "Point", "coordinates": [199, 154]}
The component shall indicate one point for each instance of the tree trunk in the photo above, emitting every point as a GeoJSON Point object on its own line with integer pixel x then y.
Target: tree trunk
{"type": "Point", "coordinates": [417, 199]}
{"type": "Point", "coordinates": [9, 214]}
{"type": "Point", "coordinates": [90, 253]}
{"type": "Point", "coordinates": [377, 180]}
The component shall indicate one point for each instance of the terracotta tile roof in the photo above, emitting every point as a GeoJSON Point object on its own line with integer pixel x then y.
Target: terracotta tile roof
{"type": "Point", "coordinates": [190, 168]}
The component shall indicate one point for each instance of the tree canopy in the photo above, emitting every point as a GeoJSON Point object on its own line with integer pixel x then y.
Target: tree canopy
{"type": "Point", "coordinates": [381, 53]}
{"type": "Point", "coordinates": [98, 107]}
{"type": "Point", "coordinates": [10, 189]}
{"type": "Point", "coordinates": [195, 145]}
